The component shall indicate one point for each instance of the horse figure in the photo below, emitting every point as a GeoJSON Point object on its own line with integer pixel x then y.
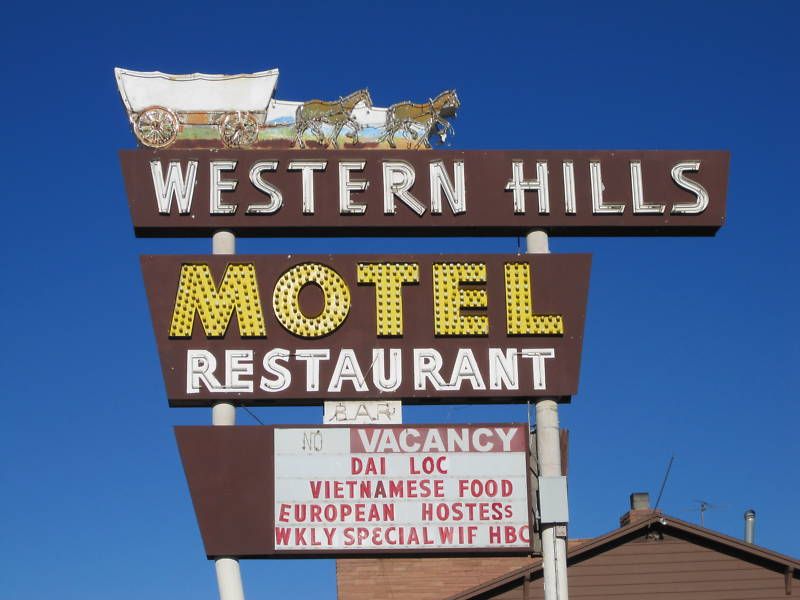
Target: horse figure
{"type": "Point", "coordinates": [430, 117]}
{"type": "Point", "coordinates": [312, 115]}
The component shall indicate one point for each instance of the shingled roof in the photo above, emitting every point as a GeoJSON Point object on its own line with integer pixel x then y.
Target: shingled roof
{"type": "Point", "coordinates": [708, 567]}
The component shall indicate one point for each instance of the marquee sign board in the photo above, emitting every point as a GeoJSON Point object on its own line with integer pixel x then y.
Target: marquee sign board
{"type": "Point", "coordinates": [339, 491]}
{"type": "Point", "coordinates": [405, 192]}
{"type": "Point", "coordinates": [422, 328]}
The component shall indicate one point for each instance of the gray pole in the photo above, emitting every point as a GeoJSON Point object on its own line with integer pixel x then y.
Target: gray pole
{"type": "Point", "coordinates": [548, 447]}
{"type": "Point", "coordinates": [229, 577]}
{"type": "Point", "coordinates": [750, 526]}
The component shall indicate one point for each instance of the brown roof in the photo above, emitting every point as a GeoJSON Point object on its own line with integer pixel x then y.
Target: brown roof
{"type": "Point", "coordinates": [787, 566]}
{"type": "Point", "coordinates": [430, 578]}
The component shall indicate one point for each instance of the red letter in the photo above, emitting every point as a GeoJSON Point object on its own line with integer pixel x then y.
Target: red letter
{"type": "Point", "coordinates": [427, 511]}
{"type": "Point", "coordinates": [494, 534]}
{"type": "Point", "coordinates": [282, 536]}
{"type": "Point", "coordinates": [284, 514]}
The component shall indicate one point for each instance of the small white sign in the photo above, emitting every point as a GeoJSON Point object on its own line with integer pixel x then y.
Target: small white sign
{"type": "Point", "coordinates": [363, 412]}
{"type": "Point", "coordinates": [401, 487]}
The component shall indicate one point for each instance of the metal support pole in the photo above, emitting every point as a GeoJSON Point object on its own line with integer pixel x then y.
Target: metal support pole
{"type": "Point", "coordinates": [223, 413]}
{"type": "Point", "coordinates": [223, 242]}
{"type": "Point", "coordinates": [229, 577]}
{"type": "Point", "coordinates": [548, 446]}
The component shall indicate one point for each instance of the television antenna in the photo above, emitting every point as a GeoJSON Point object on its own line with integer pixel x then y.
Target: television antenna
{"type": "Point", "coordinates": [703, 506]}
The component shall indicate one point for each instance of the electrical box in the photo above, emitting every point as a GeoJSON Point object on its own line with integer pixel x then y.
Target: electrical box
{"type": "Point", "coordinates": [553, 505]}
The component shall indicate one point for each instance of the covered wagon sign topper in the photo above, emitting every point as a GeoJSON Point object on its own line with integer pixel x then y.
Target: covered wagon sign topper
{"type": "Point", "coordinates": [311, 491]}
{"type": "Point", "coordinates": [238, 111]}
{"type": "Point", "coordinates": [288, 329]}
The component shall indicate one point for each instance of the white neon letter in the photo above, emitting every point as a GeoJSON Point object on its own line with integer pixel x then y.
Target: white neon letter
{"type": "Point", "coordinates": [637, 193]}
{"type": "Point", "coordinates": [218, 185]}
{"type": "Point", "coordinates": [238, 363]}
{"type": "Point", "coordinates": [598, 208]}
{"type": "Point", "coordinates": [347, 185]}
{"type": "Point", "coordinates": [537, 356]}
{"type": "Point", "coordinates": [392, 381]}
{"type": "Point", "coordinates": [275, 197]}
{"type": "Point", "coordinates": [200, 367]}
{"type": "Point", "coordinates": [307, 168]}
{"type": "Point", "coordinates": [282, 377]}
{"type": "Point", "coordinates": [427, 364]}
{"type": "Point", "coordinates": [312, 359]}
{"type": "Point", "coordinates": [176, 185]}
{"type": "Point", "coordinates": [568, 170]}
{"type": "Point", "coordinates": [440, 181]}
{"type": "Point", "coordinates": [503, 369]}
{"type": "Point", "coordinates": [700, 193]}
{"type": "Point", "coordinates": [466, 368]}
{"type": "Point", "coordinates": [398, 177]}
{"type": "Point", "coordinates": [347, 369]}
{"type": "Point", "coordinates": [519, 185]}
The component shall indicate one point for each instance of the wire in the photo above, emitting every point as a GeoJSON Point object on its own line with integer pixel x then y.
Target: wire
{"type": "Point", "coordinates": [529, 415]}
{"type": "Point", "coordinates": [664, 483]}
{"type": "Point", "coordinates": [252, 414]}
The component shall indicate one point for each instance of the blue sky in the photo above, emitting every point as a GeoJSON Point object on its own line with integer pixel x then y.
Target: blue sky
{"type": "Point", "coordinates": [691, 344]}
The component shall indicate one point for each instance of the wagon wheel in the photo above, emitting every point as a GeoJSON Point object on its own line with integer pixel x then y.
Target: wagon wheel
{"type": "Point", "coordinates": [156, 127]}
{"type": "Point", "coordinates": [238, 129]}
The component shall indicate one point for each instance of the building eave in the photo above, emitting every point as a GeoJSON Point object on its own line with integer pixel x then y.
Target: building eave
{"type": "Point", "coordinates": [665, 523]}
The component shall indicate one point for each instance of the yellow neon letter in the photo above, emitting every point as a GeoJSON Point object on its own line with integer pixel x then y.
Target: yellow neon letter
{"type": "Point", "coordinates": [388, 279]}
{"type": "Point", "coordinates": [286, 300]}
{"type": "Point", "coordinates": [449, 298]}
{"type": "Point", "coordinates": [237, 292]}
{"type": "Point", "coordinates": [520, 318]}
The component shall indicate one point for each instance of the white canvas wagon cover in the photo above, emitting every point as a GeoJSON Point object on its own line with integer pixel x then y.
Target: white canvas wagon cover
{"type": "Point", "coordinates": [196, 92]}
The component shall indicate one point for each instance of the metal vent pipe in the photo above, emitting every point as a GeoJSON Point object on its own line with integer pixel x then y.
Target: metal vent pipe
{"type": "Point", "coordinates": [749, 526]}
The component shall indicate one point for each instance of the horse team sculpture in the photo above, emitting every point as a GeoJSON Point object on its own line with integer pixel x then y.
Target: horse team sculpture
{"type": "Point", "coordinates": [238, 111]}
{"type": "Point", "coordinates": [415, 121]}
{"type": "Point", "coordinates": [315, 114]}
{"type": "Point", "coordinates": [431, 117]}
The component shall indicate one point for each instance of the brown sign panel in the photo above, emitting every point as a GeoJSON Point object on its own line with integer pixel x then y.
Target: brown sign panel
{"type": "Point", "coordinates": [361, 490]}
{"type": "Point", "coordinates": [437, 192]}
{"type": "Point", "coordinates": [272, 329]}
